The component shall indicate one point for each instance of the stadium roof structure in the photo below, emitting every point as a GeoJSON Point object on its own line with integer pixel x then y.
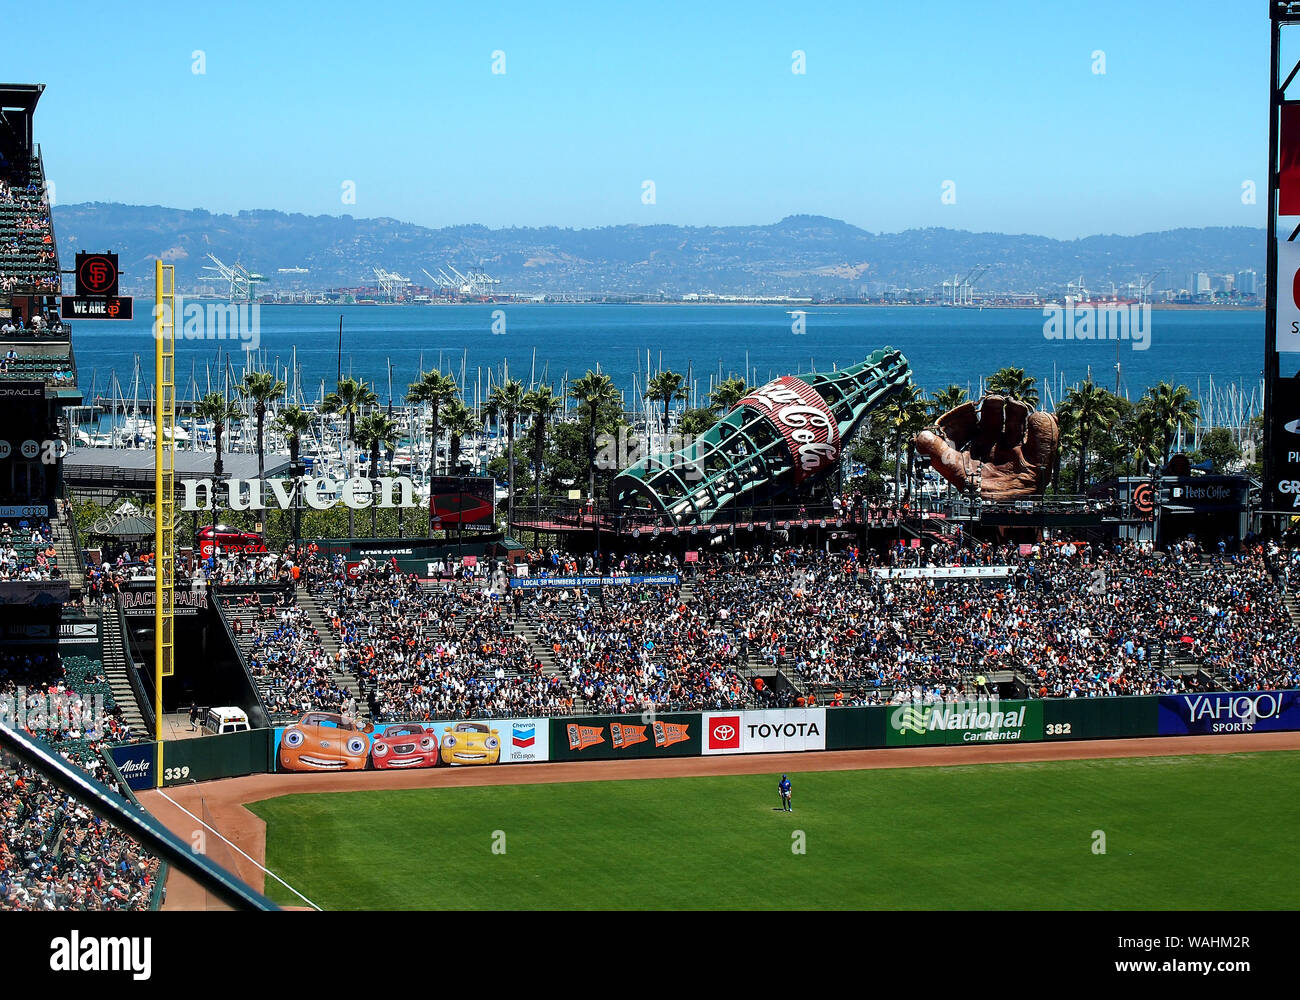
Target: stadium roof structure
{"type": "Point", "coordinates": [17, 105]}
{"type": "Point", "coordinates": [126, 527]}
{"type": "Point", "coordinates": [21, 96]}
{"type": "Point", "coordinates": [133, 467]}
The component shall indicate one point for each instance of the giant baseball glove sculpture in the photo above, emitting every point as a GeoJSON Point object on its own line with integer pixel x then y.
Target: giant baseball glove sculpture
{"type": "Point", "coordinates": [1004, 444]}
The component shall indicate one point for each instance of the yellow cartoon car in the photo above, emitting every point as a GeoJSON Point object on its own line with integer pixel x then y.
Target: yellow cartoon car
{"type": "Point", "coordinates": [320, 741]}
{"type": "Point", "coordinates": [470, 743]}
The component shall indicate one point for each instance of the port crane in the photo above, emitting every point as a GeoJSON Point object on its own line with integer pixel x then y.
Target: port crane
{"type": "Point", "coordinates": [1144, 285]}
{"type": "Point", "coordinates": [239, 280]}
{"type": "Point", "coordinates": [392, 285]}
{"type": "Point", "coordinates": [961, 291]}
{"type": "Point", "coordinates": [477, 283]}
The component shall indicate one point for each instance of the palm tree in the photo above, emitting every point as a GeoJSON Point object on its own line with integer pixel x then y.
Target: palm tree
{"type": "Point", "coordinates": [1013, 383]}
{"type": "Point", "coordinates": [375, 431]}
{"type": "Point", "coordinates": [902, 417]}
{"type": "Point", "coordinates": [352, 398]}
{"type": "Point", "coordinates": [1141, 437]}
{"type": "Point", "coordinates": [593, 391]}
{"type": "Point", "coordinates": [542, 405]}
{"type": "Point", "coordinates": [665, 388]}
{"type": "Point", "coordinates": [504, 403]}
{"type": "Point", "coordinates": [1088, 409]}
{"type": "Point", "coordinates": [1170, 410]}
{"type": "Point", "coordinates": [727, 394]}
{"type": "Point", "coordinates": [947, 399]}
{"type": "Point", "coordinates": [215, 409]}
{"type": "Point", "coordinates": [458, 420]}
{"type": "Point", "coordinates": [292, 422]}
{"type": "Point", "coordinates": [436, 389]}
{"type": "Point", "coordinates": [261, 388]}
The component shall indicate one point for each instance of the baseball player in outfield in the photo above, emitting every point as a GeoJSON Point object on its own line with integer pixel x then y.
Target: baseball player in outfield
{"type": "Point", "coordinates": [784, 788]}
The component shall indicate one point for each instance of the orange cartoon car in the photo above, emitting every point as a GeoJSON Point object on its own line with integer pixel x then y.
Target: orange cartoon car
{"type": "Point", "coordinates": [320, 742]}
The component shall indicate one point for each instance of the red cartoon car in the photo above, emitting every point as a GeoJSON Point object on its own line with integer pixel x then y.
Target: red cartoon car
{"type": "Point", "coordinates": [410, 745]}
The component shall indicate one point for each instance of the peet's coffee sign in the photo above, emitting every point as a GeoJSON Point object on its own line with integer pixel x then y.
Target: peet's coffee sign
{"type": "Point", "coordinates": [317, 493]}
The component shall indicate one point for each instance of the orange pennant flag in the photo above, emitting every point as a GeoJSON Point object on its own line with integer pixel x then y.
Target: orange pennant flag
{"type": "Point", "coordinates": [668, 733]}
{"type": "Point", "coordinates": [623, 735]}
{"type": "Point", "coordinates": [581, 737]}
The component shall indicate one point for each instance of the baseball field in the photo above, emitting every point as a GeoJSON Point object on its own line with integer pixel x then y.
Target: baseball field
{"type": "Point", "coordinates": [1160, 832]}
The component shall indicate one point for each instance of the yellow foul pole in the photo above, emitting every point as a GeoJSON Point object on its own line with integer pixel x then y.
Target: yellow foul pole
{"type": "Point", "coordinates": [164, 550]}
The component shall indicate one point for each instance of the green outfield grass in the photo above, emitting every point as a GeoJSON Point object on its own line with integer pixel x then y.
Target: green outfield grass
{"type": "Point", "coordinates": [1205, 832]}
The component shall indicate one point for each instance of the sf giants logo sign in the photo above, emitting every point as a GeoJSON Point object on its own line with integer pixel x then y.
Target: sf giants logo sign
{"type": "Point", "coordinates": [804, 420]}
{"type": "Point", "coordinates": [97, 274]}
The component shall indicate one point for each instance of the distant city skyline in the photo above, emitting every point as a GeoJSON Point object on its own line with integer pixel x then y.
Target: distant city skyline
{"type": "Point", "coordinates": [1058, 122]}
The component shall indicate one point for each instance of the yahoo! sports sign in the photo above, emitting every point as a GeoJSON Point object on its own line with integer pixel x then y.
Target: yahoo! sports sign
{"type": "Point", "coordinates": [1229, 712]}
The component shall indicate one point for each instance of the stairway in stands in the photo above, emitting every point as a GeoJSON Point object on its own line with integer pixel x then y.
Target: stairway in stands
{"type": "Point", "coordinates": [526, 627]}
{"type": "Point", "coordinates": [67, 553]}
{"type": "Point", "coordinates": [116, 669]}
{"type": "Point", "coordinates": [1182, 663]}
{"type": "Point", "coordinates": [1292, 607]}
{"type": "Point", "coordinates": [345, 679]}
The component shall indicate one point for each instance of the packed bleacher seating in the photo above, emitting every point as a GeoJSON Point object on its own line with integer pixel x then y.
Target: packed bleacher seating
{"type": "Point", "coordinates": [285, 656]}
{"type": "Point", "coordinates": [640, 646]}
{"type": "Point", "coordinates": [28, 261]}
{"type": "Point", "coordinates": [432, 652]}
{"type": "Point", "coordinates": [55, 854]}
{"type": "Point", "coordinates": [27, 551]}
{"type": "Point", "coordinates": [1070, 620]}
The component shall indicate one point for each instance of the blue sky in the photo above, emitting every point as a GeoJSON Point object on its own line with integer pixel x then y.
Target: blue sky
{"type": "Point", "coordinates": [998, 97]}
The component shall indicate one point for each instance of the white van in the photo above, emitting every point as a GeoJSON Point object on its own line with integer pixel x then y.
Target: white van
{"type": "Point", "coordinates": [225, 720]}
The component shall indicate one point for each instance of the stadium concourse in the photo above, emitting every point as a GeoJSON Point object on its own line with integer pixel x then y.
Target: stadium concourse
{"type": "Point", "coordinates": [752, 629]}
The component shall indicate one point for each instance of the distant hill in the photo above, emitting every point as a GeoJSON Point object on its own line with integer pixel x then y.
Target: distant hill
{"type": "Point", "coordinates": [800, 255]}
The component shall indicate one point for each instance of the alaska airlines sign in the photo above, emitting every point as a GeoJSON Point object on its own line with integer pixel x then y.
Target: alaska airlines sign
{"type": "Point", "coordinates": [318, 493]}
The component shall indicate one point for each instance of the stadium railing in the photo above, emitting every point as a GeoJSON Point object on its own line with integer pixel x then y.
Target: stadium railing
{"type": "Point", "coordinates": [131, 820]}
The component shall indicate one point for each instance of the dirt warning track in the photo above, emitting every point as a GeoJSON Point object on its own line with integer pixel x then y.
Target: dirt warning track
{"type": "Point", "coordinates": [220, 804]}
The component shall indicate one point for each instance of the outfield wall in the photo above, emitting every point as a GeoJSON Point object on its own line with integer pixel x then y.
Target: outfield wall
{"type": "Point", "coordinates": [318, 742]}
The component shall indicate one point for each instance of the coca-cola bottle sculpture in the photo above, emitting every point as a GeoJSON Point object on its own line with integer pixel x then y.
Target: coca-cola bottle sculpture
{"type": "Point", "coordinates": [779, 441]}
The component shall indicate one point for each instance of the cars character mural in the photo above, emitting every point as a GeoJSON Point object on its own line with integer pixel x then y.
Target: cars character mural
{"type": "Point", "coordinates": [322, 741]}
{"type": "Point", "coordinates": [405, 745]}
{"type": "Point", "coordinates": [327, 741]}
{"type": "Point", "coordinates": [470, 743]}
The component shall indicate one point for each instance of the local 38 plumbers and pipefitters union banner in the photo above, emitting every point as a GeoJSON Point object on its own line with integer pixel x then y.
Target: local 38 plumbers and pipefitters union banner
{"type": "Point", "coordinates": [772, 731]}
{"type": "Point", "coordinates": [1229, 712]}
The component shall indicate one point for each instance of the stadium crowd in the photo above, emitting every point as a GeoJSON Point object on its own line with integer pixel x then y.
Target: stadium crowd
{"type": "Point", "coordinates": [55, 854]}
{"type": "Point", "coordinates": [430, 652]}
{"type": "Point", "coordinates": [286, 658]}
{"type": "Point", "coordinates": [27, 551]}
{"type": "Point", "coordinates": [1069, 620]}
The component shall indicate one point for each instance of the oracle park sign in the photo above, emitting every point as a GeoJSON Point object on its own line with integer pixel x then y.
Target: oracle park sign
{"type": "Point", "coordinates": [314, 492]}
